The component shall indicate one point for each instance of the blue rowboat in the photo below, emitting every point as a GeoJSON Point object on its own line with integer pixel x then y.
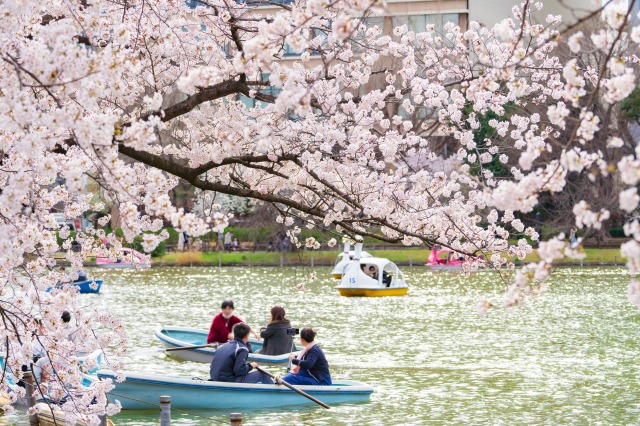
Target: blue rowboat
{"type": "Point", "coordinates": [143, 391]}
{"type": "Point", "coordinates": [90, 362]}
{"type": "Point", "coordinates": [87, 286]}
{"type": "Point", "coordinates": [183, 337]}
{"type": "Point", "coordinates": [11, 380]}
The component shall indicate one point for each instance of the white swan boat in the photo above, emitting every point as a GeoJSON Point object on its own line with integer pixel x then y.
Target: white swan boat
{"type": "Point", "coordinates": [344, 258]}
{"type": "Point", "coordinates": [357, 280]}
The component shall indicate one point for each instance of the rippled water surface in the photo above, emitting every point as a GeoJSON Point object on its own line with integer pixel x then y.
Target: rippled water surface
{"type": "Point", "coordinates": [569, 357]}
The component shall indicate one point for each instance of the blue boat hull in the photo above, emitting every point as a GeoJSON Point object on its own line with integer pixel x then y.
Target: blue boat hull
{"type": "Point", "coordinates": [86, 286]}
{"type": "Point", "coordinates": [88, 378]}
{"type": "Point", "coordinates": [83, 286]}
{"type": "Point", "coordinates": [142, 392]}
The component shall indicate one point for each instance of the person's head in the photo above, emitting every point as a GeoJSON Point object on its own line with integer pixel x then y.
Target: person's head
{"type": "Point", "coordinates": [66, 316]}
{"type": "Point", "coordinates": [363, 267]}
{"type": "Point", "coordinates": [307, 334]}
{"type": "Point", "coordinates": [372, 269]}
{"type": "Point", "coordinates": [227, 308]}
{"type": "Point", "coordinates": [277, 314]}
{"type": "Point", "coordinates": [241, 331]}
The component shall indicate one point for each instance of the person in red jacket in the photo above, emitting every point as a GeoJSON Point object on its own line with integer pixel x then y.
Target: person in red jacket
{"type": "Point", "coordinates": [222, 324]}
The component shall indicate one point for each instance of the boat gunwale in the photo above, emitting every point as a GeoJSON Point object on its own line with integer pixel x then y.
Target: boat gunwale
{"type": "Point", "coordinates": [212, 351]}
{"type": "Point", "coordinates": [353, 387]}
{"type": "Point", "coordinates": [84, 287]}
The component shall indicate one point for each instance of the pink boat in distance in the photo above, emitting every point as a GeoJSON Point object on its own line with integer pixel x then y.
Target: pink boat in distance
{"type": "Point", "coordinates": [129, 258]}
{"type": "Point", "coordinates": [444, 259]}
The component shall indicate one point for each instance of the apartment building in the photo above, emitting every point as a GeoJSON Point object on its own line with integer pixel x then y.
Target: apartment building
{"type": "Point", "coordinates": [490, 12]}
{"type": "Point", "coordinates": [417, 14]}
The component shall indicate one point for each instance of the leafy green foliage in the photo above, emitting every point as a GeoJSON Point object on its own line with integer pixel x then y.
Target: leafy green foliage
{"type": "Point", "coordinates": [481, 135]}
{"type": "Point", "coordinates": [631, 106]}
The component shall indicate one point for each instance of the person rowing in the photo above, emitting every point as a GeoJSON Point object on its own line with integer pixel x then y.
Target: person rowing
{"type": "Point", "coordinates": [230, 362]}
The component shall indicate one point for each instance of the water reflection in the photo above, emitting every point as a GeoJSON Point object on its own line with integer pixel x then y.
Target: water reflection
{"type": "Point", "coordinates": [568, 357]}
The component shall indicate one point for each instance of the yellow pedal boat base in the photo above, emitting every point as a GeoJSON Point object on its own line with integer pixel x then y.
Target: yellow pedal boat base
{"type": "Point", "coordinates": [371, 292]}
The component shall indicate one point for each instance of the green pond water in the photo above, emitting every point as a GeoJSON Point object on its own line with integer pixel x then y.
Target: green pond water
{"type": "Point", "coordinates": [570, 356]}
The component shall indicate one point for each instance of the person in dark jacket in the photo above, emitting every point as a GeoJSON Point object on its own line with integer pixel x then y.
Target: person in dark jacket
{"type": "Point", "coordinates": [230, 362]}
{"type": "Point", "coordinates": [312, 367]}
{"type": "Point", "coordinates": [82, 276]}
{"type": "Point", "coordinates": [277, 340]}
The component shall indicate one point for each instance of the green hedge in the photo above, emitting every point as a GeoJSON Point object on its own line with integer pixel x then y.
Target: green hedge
{"type": "Point", "coordinates": [616, 232]}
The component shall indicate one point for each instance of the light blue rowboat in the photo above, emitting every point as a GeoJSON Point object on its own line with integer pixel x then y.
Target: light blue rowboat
{"type": "Point", "coordinates": [91, 364]}
{"type": "Point", "coordinates": [87, 286]}
{"type": "Point", "coordinates": [182, 337]}
{"type": "Point", "coordinates": [143, 391]}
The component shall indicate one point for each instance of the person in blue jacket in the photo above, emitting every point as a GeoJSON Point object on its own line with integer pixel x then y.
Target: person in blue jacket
{"type": "Point", "coordinates": [230, 362]}
{"type": "Point", "coordinates": [82, 276]}
{"type": "Point", "coordinates": [312, 367]}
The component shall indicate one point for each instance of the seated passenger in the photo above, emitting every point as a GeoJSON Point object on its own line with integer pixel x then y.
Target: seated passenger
{"type": "Point", "coordinates": [364, 269]}
{"type": "Point", "coordinates": [312, 367]}
{"type": "Point", "coordinates": [277, 340]}
{"type": "Point", "coordinates": [49, 365]}
{"type": "Point", "coordinates": [373, 272]}
{"type": "Point", "coordinates": [82, 276]}
{"type": "Point", "coordinates": [222, 324]}
{"type": "Point", "coordinates": [386, 278]}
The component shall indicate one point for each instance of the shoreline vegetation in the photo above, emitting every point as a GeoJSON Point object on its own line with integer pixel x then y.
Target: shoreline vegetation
{"type": "Point", "coordinates": [402, 257]}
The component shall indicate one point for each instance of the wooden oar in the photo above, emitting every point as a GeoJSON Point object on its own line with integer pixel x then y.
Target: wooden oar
{"type": "Point", "coordinates": [209, 345]}
{"type": "Point", "coordinates": [293, 388]}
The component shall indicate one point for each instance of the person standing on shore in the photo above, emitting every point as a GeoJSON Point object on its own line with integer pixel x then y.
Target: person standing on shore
{"type": "Point", "coordinates": [228, 237]}
{"type": "Point", "coordinates": [573, 240]}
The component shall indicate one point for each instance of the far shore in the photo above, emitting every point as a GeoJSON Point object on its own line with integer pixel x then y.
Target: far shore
{"type": "Point", "coordinates": [326, 258]}
{"type": "Point", "coordinates": [402, 257]}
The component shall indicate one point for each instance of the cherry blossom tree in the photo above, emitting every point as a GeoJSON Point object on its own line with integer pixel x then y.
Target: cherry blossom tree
{"type": "Point", "coordinates": [137, 94]}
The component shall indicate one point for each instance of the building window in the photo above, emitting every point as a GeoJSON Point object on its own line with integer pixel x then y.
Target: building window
{"type": "Point", "coordinates": [289, 51]}
{"type": "Point", "coordinates": [252, 102]}
{"type": "Point", "coordinates": [374, 21]}
{"type": "Point", "coordinates": [418, 23]}
{"type": "Point", "coordinates": [317, 32]}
